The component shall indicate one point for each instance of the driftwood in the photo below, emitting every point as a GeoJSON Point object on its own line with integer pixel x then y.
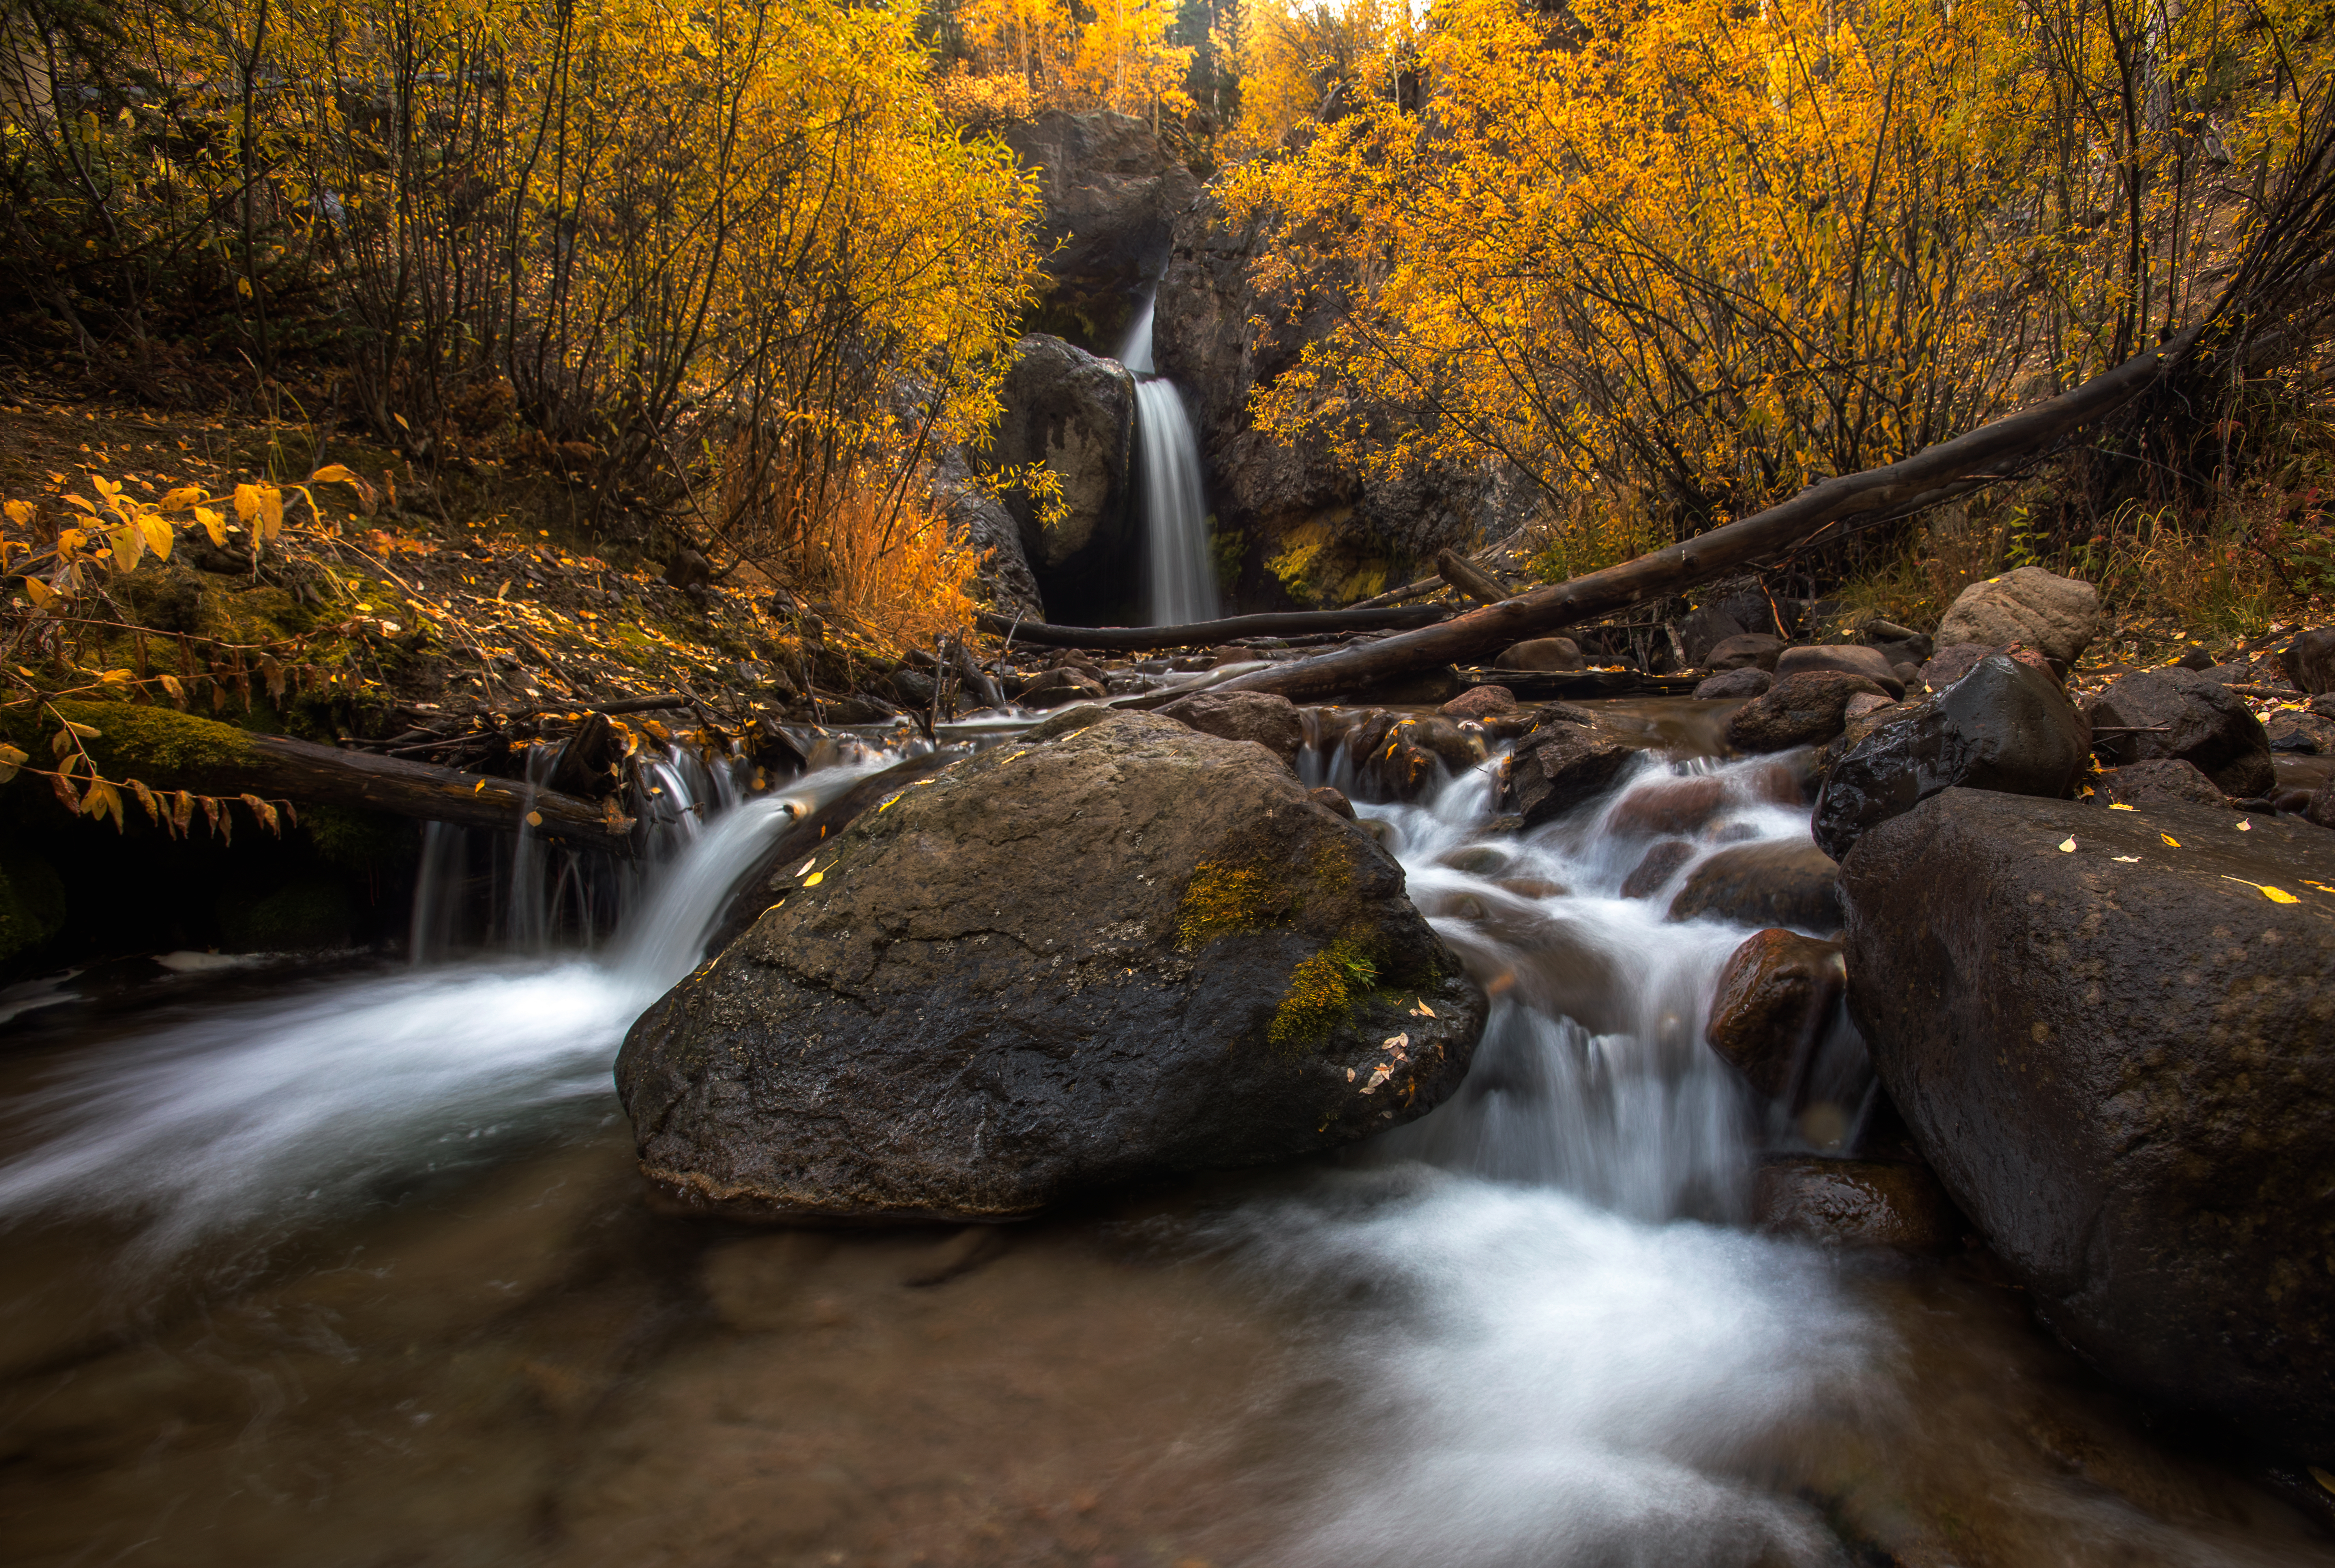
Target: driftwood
{"type": "Point", "coordinates": [1136, 639]}
{"type": "Point", "coordinates": [1469, 579]}
{"type": "Point", "coordinates": [1931, 475]}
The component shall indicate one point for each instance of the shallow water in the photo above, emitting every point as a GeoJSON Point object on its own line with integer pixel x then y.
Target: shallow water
{"type": "Point", "coordinates": [353, 1269]}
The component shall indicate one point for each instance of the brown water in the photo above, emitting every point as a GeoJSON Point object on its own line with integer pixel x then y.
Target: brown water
{"type": "Point", "coordinates": [353, 1269]}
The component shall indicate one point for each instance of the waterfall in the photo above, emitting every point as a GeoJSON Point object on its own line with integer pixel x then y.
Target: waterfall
{"type": "Point", "coordinates": [1180, 568]}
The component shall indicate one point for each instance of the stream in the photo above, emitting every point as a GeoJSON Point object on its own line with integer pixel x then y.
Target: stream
{"type": "Point", "coordinates": [347, 1264]}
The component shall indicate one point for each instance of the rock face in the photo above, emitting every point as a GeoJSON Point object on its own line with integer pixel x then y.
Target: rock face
{"type": "Point", "coordinates": [1854, 659]}
{"type": "Point", "coordinates": [2005, 726]}
{"type": "Point", "coordinates": [1134, 950]}
{"type": "Point", "coordinates": [985, 523]}
{"type": "Point", "coordinates": [2123, 1072]}
{"type": "Point", "coordinates": [1113, 193]}
{"type": "Point", "coordinates": [1273, 722]}
{"type": "Point", "coordinates": [2176, 712]}
{"type": "Point", "coordinates": [1773, 996]}
{"type": "Point", "coordinates": [1075, 413]}
{"type": "Point", "coordinates": [1320, 531]}
{"type": "Point", "coordinates": [1803, 709]}
{"type": "Point", "coordinates": [2056, 617]}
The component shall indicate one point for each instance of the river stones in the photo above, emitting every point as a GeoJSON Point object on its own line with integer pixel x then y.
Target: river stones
{"type": "Point", "coordinates": [1059, 689]}
{"type": "Point", "coordinates": [1560, 766]}
{"type": "Point", "coordinates": [1855, 1202]}
{"type": "Point", "coordinates": [1852, 658]}
{"type": "Point", "coordinates": [1272, 721]}
{"type": "Point", "coordinates": [2005, 726]}
{"type": "Point", "coordinates": [1479, 703]}
{"type": "Point", "coordinates": [2118, 1058]}
{"type": "Point", "coordinates": [1770, 882]}
{"type": "Point", "coordinates": [1802, 709]}
{"type": "Point", "coordinates": [1745, 680]}
{"type": "Point", "coordinates": [2309, 661]}
{"type": "Point", "coordinates": [1132, 951]}
{"type": "Point", "coordinates": [1774, 995]}
{"type": "Point", "coordinates": [2176, 712]}
{"type": "Point", "coordinates": [2056, 617]}
{"type": "Point", "coordinates": [2159, 781]}
{"type": "Point", "coordinates": [1545, 653]}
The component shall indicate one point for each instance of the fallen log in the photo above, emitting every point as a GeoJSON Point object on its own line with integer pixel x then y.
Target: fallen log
{"type": "Point", "coordinates": [165, 750]}
{"type": "Point", "coordinates": [1136, 639]}
{"type": "Point", "coordinates": [1933, 474]}
{"type": "Point", "coordinates": [1469, 579]}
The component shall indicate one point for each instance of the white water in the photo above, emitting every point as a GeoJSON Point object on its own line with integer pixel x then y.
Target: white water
{"type": "Point", "coordinates": [1179, 565]}
{"type": "Point", "coordinates": [266, 1114]}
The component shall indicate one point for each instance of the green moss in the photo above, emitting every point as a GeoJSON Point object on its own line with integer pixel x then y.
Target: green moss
{"type": "Point", "coordinates": [355, 840]}
{"type": "Point", "coordinates": [152, 743]}
{"type": "Point", "coordinates": [1322, 992]}
{"type": "Point", "coordinates": [1225, 900]}
{"type": "Point", "coordinates": [32, 904]}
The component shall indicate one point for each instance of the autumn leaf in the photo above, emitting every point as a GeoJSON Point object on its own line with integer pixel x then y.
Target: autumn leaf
{"type": "Point", "coordinates": [12, 757]}
{"type": "Point", "coordinates": [2275, 895]}
{"type": "Point", "coordinates": [20, 513]}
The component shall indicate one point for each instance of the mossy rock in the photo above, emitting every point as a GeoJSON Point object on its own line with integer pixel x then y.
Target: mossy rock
{"type": "Point", "coordinates": [1128, 950]}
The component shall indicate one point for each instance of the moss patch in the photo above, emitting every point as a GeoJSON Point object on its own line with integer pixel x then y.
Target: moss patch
{"type": "Point", "coordinates": [1322, 992]}
{"type": "Point", "coordinates": [1225, 900]}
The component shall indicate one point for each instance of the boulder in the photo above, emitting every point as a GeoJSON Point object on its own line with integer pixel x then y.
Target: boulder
{"type": "Point", "coordinates": [1852, 658]}
{"type": "Point", "coordinates": [1667, 803]}
{"type": "Point", "coordinates": [1748, 681]}
{"type": "Point", "coordinates": [1702, 629]}
{"type": "Point", "coordinates": [1270, 720]}
{"type": "Point", "coordinates": [2305, 734]}
{"type": "Point", "coordinates": [1561, 767]}
{"type": "Point", "coordinates": [2005, 726]}
{"type": "Point", "coordinates": [1553, 653]}
{"type": "Point", "coordinates": [1774, 996]}
{"type": "Point", "coordinates": [1855, 1202]}
{"type": "Point", "coordinates": [2056, 617]}
{"type": "Point", "coordinates": [1403, 757]}
{"type": "Point", "coordinates": [992, 531]}
{"type": "Point", "coordinates": [1478, 703]}
{"type": "Point", "coordinates": [1803, 709]}
{"type": "Point", "coordinates": [1075, 413]}
{"type": "Point", "coordinates": [1130, 951]}
{"type": "Point", "coordinates": [1656, 867]}
{"type": "Point", "coordinates": [1059, 688]}
{"type": "Point", "coordinates": [1951, 664]}
{"type": "Point", "coordinates": [1113, 192]}
{"type": "Point", "coordinates": [1771, 882]}
{"type": "Point", "coordinates": [2176, 712]}
{"type": "Point", "coordinates": [2309, 661]}
{"type": "Point", "coordinates": [1749, 651]}
{"type": "Point", "coordinates": [2156, 782]}
{"type": "Point", "coordinates": [2117, 1059]}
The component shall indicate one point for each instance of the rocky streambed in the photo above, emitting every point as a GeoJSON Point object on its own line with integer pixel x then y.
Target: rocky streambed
{"type": "Point", "coordinates": [1496, 1136]}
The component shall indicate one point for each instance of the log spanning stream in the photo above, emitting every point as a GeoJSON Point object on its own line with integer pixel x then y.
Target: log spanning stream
{"type": "Point", "coordinates": [350, 1267]}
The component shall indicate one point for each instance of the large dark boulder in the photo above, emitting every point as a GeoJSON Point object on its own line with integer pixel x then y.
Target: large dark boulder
{"type": "Point", "coordinates": [1113, 193]}
{"type": "Point", "coordinates": [2118, 1058]}
{"type": "Point", "coordinates": [1131, 950]}
{"type": "Point", "coordinates": [2005, 726]}
{"type": "Point", "coordinates": [2177, 712]}
{"type": "Point", "coordinates": [1075, 413]}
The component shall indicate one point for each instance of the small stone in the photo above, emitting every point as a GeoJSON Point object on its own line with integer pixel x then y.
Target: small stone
{"type": "Point", "coordinates": [1332, 799]}
{"type": "Point", "coordinates": [1556, 774]}
{"type": "Point", "coordinates": [1551, 654]}
{"type": "Point", "coordinates": [1774, 996]}
{"type": "Point", "coordinates": [1747, 681]}
{"type": "Point", "coordinates": [1803, 709]}
{"type": "Point", "coordinates": [1478, 701]}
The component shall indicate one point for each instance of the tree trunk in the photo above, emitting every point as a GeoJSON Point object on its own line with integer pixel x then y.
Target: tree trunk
{"type": "Point", "coordinates": [1927, 476]}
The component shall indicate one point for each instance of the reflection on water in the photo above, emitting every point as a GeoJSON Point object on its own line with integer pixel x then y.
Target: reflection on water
{"type": "Point", "coordinates": [420, 1315]}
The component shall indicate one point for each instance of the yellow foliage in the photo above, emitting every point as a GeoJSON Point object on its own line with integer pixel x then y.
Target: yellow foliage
{"type": "Point", "coordinates": [1102, 55]}
{"type": "Point", "coordinates": [892, 568]}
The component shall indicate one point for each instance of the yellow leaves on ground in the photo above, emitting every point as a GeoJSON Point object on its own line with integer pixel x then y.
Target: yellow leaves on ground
{"type": "Point", "coordinates": [2275, 895]}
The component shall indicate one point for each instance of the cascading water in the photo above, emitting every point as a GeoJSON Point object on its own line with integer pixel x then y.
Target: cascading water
{"type": "Point", "coordinates": [1179, 565]}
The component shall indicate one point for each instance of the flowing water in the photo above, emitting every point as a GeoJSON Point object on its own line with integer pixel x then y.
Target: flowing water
{"type": "Point", "coordinates": [1179, 564]}
{"type": "Point", "coordinates": [352, 1269]}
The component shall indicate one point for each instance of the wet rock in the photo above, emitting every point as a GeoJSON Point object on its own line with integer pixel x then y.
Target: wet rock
{"type": "Point", "coordinates": [2157, 782]}
{"type": "Point", "coordinates": [2117, 1060]}
{"type": "Point", "coordinates": [1113, 192]}
{"type": "Point", "coordinates": [1332, 801]}
{"type": "Point", "coordinates": [2176, 712]}
{"type": "Point", "coordinates": [1405, 758]}
{"type": "Point", "coordinates": [1861, 706]}
{"type": "Point", "coordinates": [1563, 767]}
{"type": "Point", "coordinates": [1555, 653]}
{"type": "Point", "coordinates": [1747, 681]}
{"type": "Point", "coordinates": [1661, 863]}
{"type": "Point", "coordinates": [1477, 860]}
{"type": "Point", "coordinates": [2005, 726]}
{"type": "Point", "coordinates": [1858, 1204]}
{"type": "Point", "coordinates": [1774, 995]}
{"type": "Point", "coordinates": [2056, 617]}
{"type": "Point", "coordinates": [2305, 734]}
{"type": "Point", "coordinates": [1850, 658]}
{"type": "Point", "coordinates": [1198, 971]}
{"type": "Point", "coordinates": [1771, 881]}
{"type": "Point", "coordinates": [1669, 803]}
{"type": "Point", "coordinates": [1057, 688]}
{"type": "Point", "coordinates": [1951, 664]}
{"type": "Point", "coordinates": [1702, 629]}
{"type": "Point", "coordinates": [2309, 661]}
{"type": "Point", "coordinates": [1076, 413]}
{"type": "Point", "coordinates": [1478, 703]}
{"type": "Point", "coordinates": [1270, 720]}
{"type": "Point", "coordinates": [1749, 651]}
{"type": "Point", "coordinates": [1803, 709]}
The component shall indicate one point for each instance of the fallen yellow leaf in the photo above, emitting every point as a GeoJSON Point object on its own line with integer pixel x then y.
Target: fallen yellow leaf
{"type": "Point", "coordinates": [2170, 840]}
{"type": "Point", "coordinates": [814, 879]}
{"type": "Point", "coordinates": [2068, 846]}
{"type": "Point", "coordinates": [2275, 895]}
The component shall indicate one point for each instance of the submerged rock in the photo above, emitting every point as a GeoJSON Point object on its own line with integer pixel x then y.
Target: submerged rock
{"type": "Point", "coordinates": [2118, 1056]}
{"type": "Point", "coordinates": [1134, 951]}
{"type": "Point", "coordinates": [2176, 712]}
{"type": "Point", "coordinates": [1771, 882]}
{"type": "Point", "coordinates": [2005, 726]}
{"type": "Point", "coordinates": [1857, 1203]}
{"type": "Point", "coordinates": [2056, 617]}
